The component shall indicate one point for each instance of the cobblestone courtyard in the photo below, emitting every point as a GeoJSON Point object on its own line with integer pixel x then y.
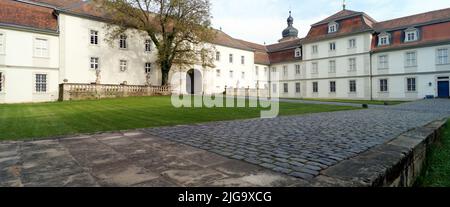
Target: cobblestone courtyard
{"type": "Point", "coordinates": [286, 151]}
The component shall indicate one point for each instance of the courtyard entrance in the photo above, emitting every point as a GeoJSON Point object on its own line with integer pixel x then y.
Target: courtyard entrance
{"type": "Point", "coordinates": [194, 82]}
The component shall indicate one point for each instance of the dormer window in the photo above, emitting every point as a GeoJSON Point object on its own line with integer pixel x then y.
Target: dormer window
{"type": "Point", "coordinates": [384, 39]}
{"type": "Point", "coordinates": [332, 27]}
{"type": "Point", "coordinates": [298, 52]}
{"type": "Point", "coordinates": [411, 35]}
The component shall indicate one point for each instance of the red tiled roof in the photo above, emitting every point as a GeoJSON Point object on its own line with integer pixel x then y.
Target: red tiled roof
{"type": "Point", "coordinates": [27, 15]}
{"type": "Point", "coordinates": [58, 3]}
{"type": "Point", "coordinates": [443, 14]}
{"type": "Point", "coordinates": [284, 45]}
{"type": "Point", "coordinates": [339, 15]}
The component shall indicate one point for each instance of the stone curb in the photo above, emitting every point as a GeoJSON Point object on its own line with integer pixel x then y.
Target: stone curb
{"type": "Point", "coordinates": [397, 163]}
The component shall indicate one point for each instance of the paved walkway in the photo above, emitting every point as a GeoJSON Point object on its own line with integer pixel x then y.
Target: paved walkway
{"type": "Point", "coordinates": [286, 151]}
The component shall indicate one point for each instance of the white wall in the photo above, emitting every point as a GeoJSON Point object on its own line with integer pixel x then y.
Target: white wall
{"type": "Point", "coordinates": [19, 65]}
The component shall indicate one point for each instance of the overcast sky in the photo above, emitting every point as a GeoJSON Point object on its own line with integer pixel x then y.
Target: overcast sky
{"type": "Point", "coordinates": [262, 21]}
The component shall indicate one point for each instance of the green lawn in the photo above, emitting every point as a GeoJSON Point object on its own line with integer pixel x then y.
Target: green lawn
{"type": "Point", "coordinates": [22, 121]}
{"type": "Point", "coordinates": [373, 102]}
{"type": "Point", "coordinates": [437, 171]}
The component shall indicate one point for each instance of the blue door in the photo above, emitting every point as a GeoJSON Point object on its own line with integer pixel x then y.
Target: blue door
{"type": "Point", "coordinates": [443, 89]}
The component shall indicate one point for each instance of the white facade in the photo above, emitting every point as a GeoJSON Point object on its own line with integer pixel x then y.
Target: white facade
{"type": "Point", "coordinates": [23, 56]}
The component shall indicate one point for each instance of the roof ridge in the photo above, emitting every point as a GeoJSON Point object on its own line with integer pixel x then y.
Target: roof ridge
{"type": "Point", "coordinates": [409, 16]}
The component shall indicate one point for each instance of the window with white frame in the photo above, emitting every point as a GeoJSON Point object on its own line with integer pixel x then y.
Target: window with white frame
{"type": "Point", "coordinates": [383, 85]}
{"type": "Point", "coordinates": [1, 82]}
{"type": "Point", "coordinates": [411, 59]}
{"type": "Point", "coordinates": [352, 43]}
{"type": "Point", "coordinates": [332, 66]}
{"type": "Point", "coordinates": [242, 60]}
{"type": "Point", "coordinates": [352, 64]}
{"type": "Point", "coordinates": [123, 42]}
{"type": "Point", "coordinates": [217, 56]}
{"type": "Point", "coordinates": [148, 68]}
{"type": "Point", "coordinates": [332, 27]}
{"type": "Point", "coordinates": [297, 69]}
{"type": "Point", "coordinates": [41, 83]}
{"type": "Point", "coordinates": [332, 86]}
{"type": "Point", "coordinates": [315, 68]}
{"type": "Point", "coordinates": [218, 73]}
{"type": "Point", "coordinates": [2, 43]}
{"type": "Point", "coordinates": [315, 87]}
{"type": "Point", "coordinates": [274, 69]}
{"type": "Point", "coordinates": [383, 62]}
{"type": "Point", "coordinates": [352, 86]}
{"type": "Point", "coordinates": [265, 70]}
{"type": "Point", "coordinates": [148, 45]}
{"type": "Point", "coordinates": [231, 58]}
{"type": "Point", "coordinates": [297, 87]}
{"type": "Point", "coordinates": [411, 84]}
{"type": "Point", "coordinates": [298, 52]}
{"type": "Point", "coordinates": [285, 88]}
{"type": "Point", "coordinates": [315, 49]}
{"type": "Point", "coordinates": [123, 65]}
{"type": "Point", "coordinates": [384, 39]}
{"type": "Point", "coordinates": [411, 35]}
{"type": "Point", "coordinates": [231, 74]}
{"type": "Point", "coordinates": [243, 75]}
{"type": "Point", "coordinates": [332, 46]}
{"type": "Point", "coordinates": [285, 71]}
{"type": "Point", "coordinates": [94, 37]}
{"type": "Point", "coordinates": [256, 71]}
{"type": "Point", "coordinates": [94, 63]}
{"type": "Point", "coordinates": [442, 56]}
{"type": "Point", "coordinates": [41, 47]}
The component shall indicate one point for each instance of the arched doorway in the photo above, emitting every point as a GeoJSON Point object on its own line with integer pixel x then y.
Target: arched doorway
{"type": "Point", "coordinates": [194, 82]}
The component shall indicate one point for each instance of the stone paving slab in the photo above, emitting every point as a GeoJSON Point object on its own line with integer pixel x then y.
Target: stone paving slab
{"type": "Point", "coordinates": [303, 146]}
{"type": "Point", "coordinates": [125, 159]}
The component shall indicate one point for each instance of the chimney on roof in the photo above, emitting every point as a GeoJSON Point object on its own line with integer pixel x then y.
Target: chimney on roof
{"type": "Point", "coordinates": [343, 4]}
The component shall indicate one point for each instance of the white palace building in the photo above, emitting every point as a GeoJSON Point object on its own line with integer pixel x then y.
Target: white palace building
{"type": "Point", "coordinates": [349, 55]}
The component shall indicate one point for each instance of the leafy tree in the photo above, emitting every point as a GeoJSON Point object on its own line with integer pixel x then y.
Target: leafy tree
{"type": "Point", "coordinates": [180, 29]}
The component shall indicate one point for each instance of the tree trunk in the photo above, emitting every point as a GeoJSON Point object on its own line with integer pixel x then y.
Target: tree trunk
{"type": "Point", "coordinates": [165, 69]}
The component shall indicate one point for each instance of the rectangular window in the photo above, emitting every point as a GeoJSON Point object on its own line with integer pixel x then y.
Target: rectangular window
{"type": "Point", "coordinates": [94, 63]}
{"type": "Point", "coordinates": [383, 85]}
{"type": "Point", "coordinates": [148, 45]}
{"type": "Point", "coordinates": [411, 59]}
{"type": "Point", "coordinates": [332, 66]}
{"type": "Point", "coordinates": [1, 82]}
{"type": "Point", "coordinates": [231, 74]}
{"type": "Point", "coordinates": [94, 37]}
{"type": "Point", "coordinates": [274, 70]}
{"type": "Point", "coordinates": [411, 36]}
{"type": "Point", "coordinates": [40, 47]}
{"type": "Point", "coordinates": [315, 68]}
{"type": "Point", "coordinates": [217, 56]}
{"type": "Point", "coordinates": [332, 86]}
{"type": "Point", "coordinates": [148, 68]}
{"type": "Point", "coordinates": [315, 49]}
{"type": "Point", "coordinates": [218, 73]}
{"type": "Point", "coordinates": [2, 43]}
{"type": "Point", "coordinates": [297, 69]}
{"type": "Point", "coordinates": [332, 46]}
{"type": "Point", "coordinates": [442, 56]}
{"type": "Point", "coordinates": [352, 64]}
{"type": "Point", "coordinates": [297, 87]}
{"type": "Point", "coordinates": [352, 86]}
{"type": "Point", "coordinates": [123, 42]}
{"type": "Point", "coordinates": [285, 71]}
{"type": "Point", "coordinates": [411, 84]}
{"type": "Point", "coordinates": [231, 58]}
{"type": "Point", "coordinates": [243, 75]}
{"type": "Point", "coordinates": [123, 65]}
{"type": "Point", "coordinates": [257, 71]}
{"type": "Point", "coordinates": [352, 43]}
{"type": "Point", "coordinates": [41, 83]}
{"type": "Point", "coordinates": [243, 60]}
{"type": "Point", "coordinates": [285, 88]}
{"type": "Point", "coordinates": [383, 62]}
{"type": "Point", "coordinates": [315, 87]}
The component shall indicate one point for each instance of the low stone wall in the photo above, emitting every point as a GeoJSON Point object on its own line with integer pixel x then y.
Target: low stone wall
{"type": "Point", "coordinates": [397, 163]}
{"type": "Point", "coordinates": [74, 91]}
{"type": "Point", "coordinates": [247, 92]}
